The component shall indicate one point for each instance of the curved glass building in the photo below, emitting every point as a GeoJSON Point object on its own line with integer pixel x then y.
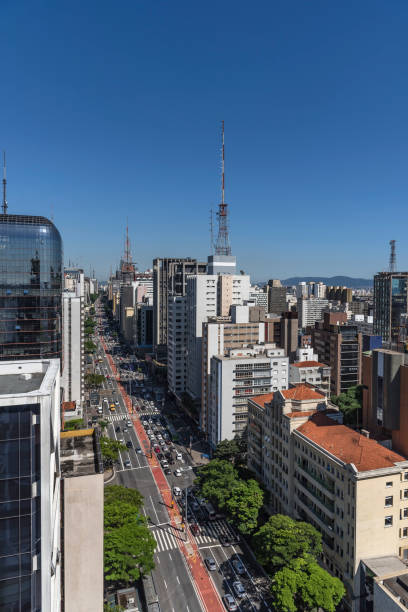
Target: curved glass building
{"type": "Point", "coordinates": [31, 280]}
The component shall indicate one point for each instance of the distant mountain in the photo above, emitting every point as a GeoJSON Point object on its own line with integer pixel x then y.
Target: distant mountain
{"type": "Point", "coordinates": [343, 281]}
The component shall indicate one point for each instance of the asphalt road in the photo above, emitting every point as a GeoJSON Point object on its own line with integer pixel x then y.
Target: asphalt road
{"type": "Point", "coordinates": [173, 583]}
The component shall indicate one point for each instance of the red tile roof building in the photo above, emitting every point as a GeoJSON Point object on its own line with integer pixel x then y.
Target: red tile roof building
{"type": "Point", "coordinates": [351, 488]}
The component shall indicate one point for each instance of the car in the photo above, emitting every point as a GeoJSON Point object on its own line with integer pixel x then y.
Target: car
{"type": "Point", "coordinates": [224, 540]}
{"type": "Point", "coordinates": [210, 563]}
{"type": "Point", "coordinates": [116, 403]}
{"type": "Point", "coordinates": [162, 443]}
{"type": "Point", "coordinates": [230, 603]}
{"type": "Point", "coordinates": [238, 588]}
{"type": "Point", "coordinates": [138, 449]}
{"type": "Point", "coordinates": [195, 506]}
{"type": "Point", "coordinates": [125, 430]}
{"type": "Point", "coordinates": [177, 472]}
{"type": "Point", "coordinates": [129, 444]}
{"type": "Point", "coordinates": [129, 423]}
{"type": "Point", "coordinates": [160, 457]}
{"type": "Point", "coordinates": [121, 441]}
{"type": "Point", "coordinates": [167, 471]}
{"type": "Point", "coordinates": [157, 449]}
{"type": "Point", "coordinates": [238, 567]}
{"type": "Point", "coordinates": [127, 463]}
{"type": "Point", "coordinates": [179, 456]}
{"type": "Point", "coordinates": [176, 491]}
{"type": "Point", "coordinates": [117, 429]}
{"type": "Point", "coordinates": [165, 449]}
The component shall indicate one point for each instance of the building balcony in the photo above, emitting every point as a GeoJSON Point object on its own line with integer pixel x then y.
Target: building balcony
{"type": "Point", "coordinates": [318, 496]}
{"type": "Point", "coordinates": [327, 484]}
{"type": "Point", "coordinates": [325, 522]}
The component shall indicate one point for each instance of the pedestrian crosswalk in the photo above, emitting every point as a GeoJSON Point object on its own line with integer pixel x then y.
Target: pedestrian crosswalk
{"type": "Point", "coordinates": [212, 530]}
{"type": "Point", "coordinates": [116, 417]}
{"type": "Point", "coordinates": [166, 537]}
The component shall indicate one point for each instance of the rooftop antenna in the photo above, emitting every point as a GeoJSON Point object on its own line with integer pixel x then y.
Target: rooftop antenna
{"type": "Point", "coordinates": [4, 205]}
{"type": "Point", "coordinates": [393, 257]}
{"type": "Point", "coordinates": [222, 246]}
{"type": "Point", "coordinates": [211, 230]}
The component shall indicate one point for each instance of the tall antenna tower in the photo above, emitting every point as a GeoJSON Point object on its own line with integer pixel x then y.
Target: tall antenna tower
{"type": "Point", "coordinates": [211, 230]}
{"type": "Point", "coordinates": [4, 205]}
{"type": "Point", "coordinates": [222, 245]}
{"type": "Point", "coordinates": [128, 256]}
{"type": "Point", "coordinates": [393, 257]}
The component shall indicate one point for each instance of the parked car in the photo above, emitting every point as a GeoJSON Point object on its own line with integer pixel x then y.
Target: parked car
{"type": "Point", "coordinates": [238, 567]}
{"type": "Point", "coordinates": [176, 491]}
{"type": "Point", "coordinates": [129, 444]}
{"type": "Point", "coordinates": [210, 563]}
{"type": "Point", "coordinates": [127, 463]}
{"type": "Point", "coordinates": [167, 471]}
{"type": "Point", "coordinates": [230, 603]}
{"type": "Point", "coordinates": [238, 588]}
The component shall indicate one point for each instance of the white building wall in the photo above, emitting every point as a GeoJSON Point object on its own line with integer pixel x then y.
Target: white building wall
{"type": "Point", "coordinates": [311, 310]}
{"type": "Point", "coordinates": [176, 345]}
{"type": "Point", "coordinates": [73, 347]}
{"type": "Point", "coordinates": [47, 395]}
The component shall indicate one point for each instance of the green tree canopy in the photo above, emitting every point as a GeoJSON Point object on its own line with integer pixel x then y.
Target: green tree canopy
{"type": "Point", "coordinates": [94, 380]}
{"type": "Point", "coordinates": [89, 346]}
{"type": "Point", "coordinates": [128, 544]}
{"type": "Point", "coordinates": [216, 481]}
{"type": "Point", "coordinates": [110, 449]}
{"type": "Point", "coordinates": [350, 404]}
{"type": "Point", "coordinates": [226, 450]}
{"type": "Point", "coordinates": [304, 585]}
{"type": "Point", "coordinates": [73, 424]}
{"type": "Point", "coordinates": [282, 539]}
{"type": "Point", "coordinates": [116, 493]}
{"type": "Point", "coordinates": [244, 503]}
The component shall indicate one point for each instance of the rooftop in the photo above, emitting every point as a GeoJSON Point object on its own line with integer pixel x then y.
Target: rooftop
{"type": "Point", "coordinates": [301, 393]}
{"type": "Point", "coordinates": [10, 384]}
{"type": "Point", "coordinates": [309, 364]}
{"type": "Point", "coordinates": [348, 445]}
{"type": "Point", "coordinates": [261, 400]}
{"type": "Point", "coordinates": [78, 456]}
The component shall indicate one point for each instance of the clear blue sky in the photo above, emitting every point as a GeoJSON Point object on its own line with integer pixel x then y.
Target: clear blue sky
{"type": "Point", "coordinates": [112, 110]}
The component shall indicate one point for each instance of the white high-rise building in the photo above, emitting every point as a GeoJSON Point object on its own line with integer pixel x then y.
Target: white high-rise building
{"type": "Point", "coordinates": [242, 374]}
{"type": "Point", "coordinates": [311, 310]}
{"type": "Point", "coordinates": [30, 549]}
{"type": "Point", "coordinates": [72, 379]}
{"type": "Point", "coordinates": [176, 344]}
{"type": "Point", "coordinates": [208, 295]}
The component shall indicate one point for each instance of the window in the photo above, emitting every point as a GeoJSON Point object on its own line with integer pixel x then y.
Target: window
{"type": "Point", "coordinates": [405, 532]}
{"type": "Point", "coordinates": [404, 513]}
{"type": "Point", "coordinates": [388, 521]}
{"type": "Point", "coordinates": [388, 484]}
{"type": "Point", "coordinates": [388, 501]}
{"type": "Point", "coordinates": [405, 494]}
{"type": "Point", "coordinates": [405, 475]}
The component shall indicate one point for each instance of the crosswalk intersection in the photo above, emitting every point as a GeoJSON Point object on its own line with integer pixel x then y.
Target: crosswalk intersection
{"type": "Point", "coordinates": [212, 530]}
{"type": "Point", "coordinates": [166, 537]}
{"type": "Point", "coordinates": [116, 417]}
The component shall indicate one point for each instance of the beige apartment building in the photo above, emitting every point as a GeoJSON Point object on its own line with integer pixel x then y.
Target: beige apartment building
{"type": "Point", "coordinates": [350, 487]}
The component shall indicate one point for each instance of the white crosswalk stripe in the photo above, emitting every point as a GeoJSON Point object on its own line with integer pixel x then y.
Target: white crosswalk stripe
{"type": "Point", "coordinates": [212, 530]}
{"type": "Point", "coordinates": [115, 417]}
{"type": "Point", "coordinates": [165, 539]}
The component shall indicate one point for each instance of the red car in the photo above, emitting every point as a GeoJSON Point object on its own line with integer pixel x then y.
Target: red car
{"type": "Point", "coordinates": [157, 449]}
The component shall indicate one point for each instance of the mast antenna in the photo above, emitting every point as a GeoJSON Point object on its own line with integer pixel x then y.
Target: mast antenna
{"type": "Point", "coordinates": [393, 257]}
{"type": "Point", "coordinates": [222, 246]}
{"type": "Point", "coordinates": [4, 205]}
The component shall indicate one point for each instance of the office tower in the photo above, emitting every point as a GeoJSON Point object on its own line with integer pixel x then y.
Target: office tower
{"type": "Point", "coordinates": [82, 520]}
{"type": "Point", "coordinates": [30, 288]}
{"type": "Point", "coordinates": [259, 296]}
{"type": "Point", "coordinates": [340, 294]}
{"type": "Point", "coordinates": [235, 377]}
{"type": "Point", "coordinates": [30, 485]}
{"type": "Point", "coordinates": [219, 335]}
{"type": "Point", "coordinates": [208, 296]}
{"type": "Point", "coordinates": [339, 346]}
{"type": "Point", "coordinates": [176, 338]}
{"type": "Point", "coordinates": [169, 279]}
{"type": "Point", "coordinates": [385, 396]}
{"type": "Point", "coordinates": [72, 379]}
{"type": "Point", "coordinates": [289, 334]}
{"type": "Point", "coordinates": [349, 487]}
{"type": "Point", "coordinates": [74, 280]}
{"type": "Point", "coordinates": [390, 302]}
{"type": "Point", "coordinates": [311, 310]}
{"type": "Point", "coordinates": [276, 297]}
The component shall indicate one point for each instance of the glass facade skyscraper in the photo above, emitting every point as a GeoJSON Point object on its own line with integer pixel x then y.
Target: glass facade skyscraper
{"type": "Point", "coordinates": [30, 288]}
{"type": "Point", "coordinates": [390, 302]}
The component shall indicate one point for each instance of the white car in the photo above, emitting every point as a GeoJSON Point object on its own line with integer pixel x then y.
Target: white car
{"type": "Point", "coordinates": [176, 491]}
{"type": "Point", "coordinates": [177, 472]}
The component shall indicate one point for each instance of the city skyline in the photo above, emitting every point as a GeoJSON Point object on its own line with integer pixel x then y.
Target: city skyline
{"type": "Point", "coordinates": [118, 117]}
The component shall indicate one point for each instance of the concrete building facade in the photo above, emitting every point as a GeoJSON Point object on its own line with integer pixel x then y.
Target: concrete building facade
{"type": "Point", "coordinates": [310, 310]}
{"type": "Point", "coordinates": [72, 379]}
{"type": "Point", "coordinates": [390, 302]}
{"type": "Point", "coordinates": [30, 484]}
{"type": "Point", "coordinates": [349, 487]}
{"type": "Point", "coordinates": [236, 377]}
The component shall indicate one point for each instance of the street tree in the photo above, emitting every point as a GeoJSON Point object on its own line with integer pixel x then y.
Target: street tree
{"type": "Point", "coordinates": [304, 585]}
{"type": "Point", "coordinates": [110, 449]}
{"type": "Point", "coordinates": [216, 481]}
{"type": "Point", "coordinates": [94, 380]}
{"type": "Point", "coordinates": [244, 503]}
{"type": "Point", "coordinates": [282, 539]}
{"type": "Point", "coordinates": [89, 346]}
{"type": "Point", "coordinates": [226, 450]}
{"type": "Point", "coordinates": [116, 493]}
